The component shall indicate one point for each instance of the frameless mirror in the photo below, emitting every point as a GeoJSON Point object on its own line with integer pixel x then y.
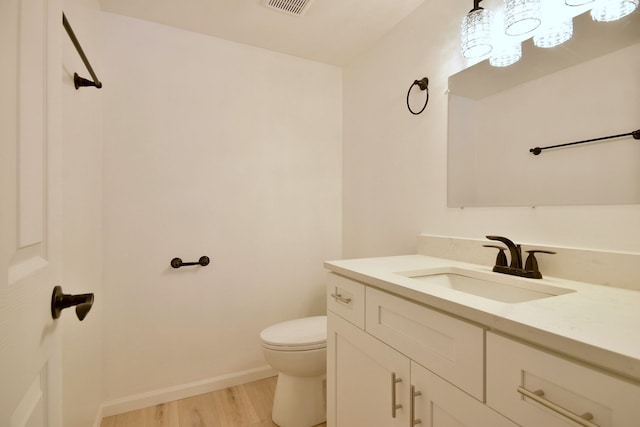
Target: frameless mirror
{"type": "Point", "coordinates": [588, 87]}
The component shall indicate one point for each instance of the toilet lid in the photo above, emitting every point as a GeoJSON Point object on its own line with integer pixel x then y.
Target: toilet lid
{"type": "Point", "coordinates": [306, 333]}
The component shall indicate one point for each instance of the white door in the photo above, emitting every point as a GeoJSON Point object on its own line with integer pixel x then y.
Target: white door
{"type": "Point", "coordinates": [30, 352]}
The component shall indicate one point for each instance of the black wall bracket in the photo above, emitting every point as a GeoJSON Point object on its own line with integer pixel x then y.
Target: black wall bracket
{"type": "Point", "coordinates": [77, 80]}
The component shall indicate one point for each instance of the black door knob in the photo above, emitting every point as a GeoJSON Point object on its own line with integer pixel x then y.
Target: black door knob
{"type": "Point", "coordinates": [60, 301]}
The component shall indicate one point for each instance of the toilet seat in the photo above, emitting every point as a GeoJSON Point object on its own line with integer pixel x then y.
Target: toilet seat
{"type": "Point", "coordinates": [309, 333]}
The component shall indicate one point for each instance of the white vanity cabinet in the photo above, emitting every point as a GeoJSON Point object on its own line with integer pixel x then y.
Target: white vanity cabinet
{"type": "Point", "coordinates": [536, 388]}
{"type": "Point", "coordinates": [389, 372]}
{"type": "Point", "coordinates": [450, 358]}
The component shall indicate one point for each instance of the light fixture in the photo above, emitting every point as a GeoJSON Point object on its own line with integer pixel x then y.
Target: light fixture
{"type": "Point", "coordinates": [498, 34]}
{"type": "Point", "coordinates": [611, 10]}
{"type": "Point", "coordinates": [554, 33]}
{"type": "Point", "coordinates": [476, 32]}
{"type": "Point", "coordinates": [521, 16]}
{"type": "Point", "coordinates": [506, 54]}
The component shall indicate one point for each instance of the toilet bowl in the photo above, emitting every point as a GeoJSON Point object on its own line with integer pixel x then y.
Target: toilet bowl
{"type": "Point", "coordinates": [297, 349]}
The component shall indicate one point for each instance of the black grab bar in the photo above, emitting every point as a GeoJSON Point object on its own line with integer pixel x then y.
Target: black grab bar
{"type": "Point", "coordinates": [177, 262]}
{"type": "Point", "coordinates": [77, 80]}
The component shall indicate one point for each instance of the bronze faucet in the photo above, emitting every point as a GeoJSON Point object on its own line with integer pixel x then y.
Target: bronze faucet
{"type": "Point", "coordinates": [516, 268]}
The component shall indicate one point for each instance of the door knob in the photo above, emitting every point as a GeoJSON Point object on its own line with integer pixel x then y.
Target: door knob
{"type": "Point", "coordinates": [60, 301]}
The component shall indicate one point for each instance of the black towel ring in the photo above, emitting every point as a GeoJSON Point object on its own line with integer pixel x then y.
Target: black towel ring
{"type": "Point", "coordinates": [423, 84]}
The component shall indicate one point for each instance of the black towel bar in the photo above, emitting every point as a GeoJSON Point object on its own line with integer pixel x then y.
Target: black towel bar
{"type": "Point", "coordinates": [538, 150]}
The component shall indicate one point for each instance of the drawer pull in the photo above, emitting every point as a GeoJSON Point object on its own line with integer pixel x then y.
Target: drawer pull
{"type": "Point", "coordinates": [340, 298]}
{"type": "Point", "coordinates": [412, 410]}
{"type": "Point", "coordinates": [583, 420]}
{"type": "Point", "coordinates": [394, 405]}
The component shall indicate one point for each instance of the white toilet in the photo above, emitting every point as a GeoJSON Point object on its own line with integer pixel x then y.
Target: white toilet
{"type": "Point", "coordinates": [297, 349]}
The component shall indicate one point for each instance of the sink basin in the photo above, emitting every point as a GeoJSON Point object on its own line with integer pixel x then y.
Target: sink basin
{"type": "Point", "coordinates": [503, 289]}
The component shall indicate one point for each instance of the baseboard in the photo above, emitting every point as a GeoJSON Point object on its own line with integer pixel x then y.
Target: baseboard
{"type": "Point", "coordinates": [169, 394]}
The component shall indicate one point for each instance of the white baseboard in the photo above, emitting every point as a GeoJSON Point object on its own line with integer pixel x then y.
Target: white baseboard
{"type": "Point", "coordinates": [169, 394]}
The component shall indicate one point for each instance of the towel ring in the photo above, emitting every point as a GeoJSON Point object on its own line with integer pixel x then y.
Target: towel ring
{"type": "Point", "coordinates": [423, 84]}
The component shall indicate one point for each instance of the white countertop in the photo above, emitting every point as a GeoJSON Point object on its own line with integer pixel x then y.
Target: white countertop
{"type": "Point", "coordinates": [597, 324]}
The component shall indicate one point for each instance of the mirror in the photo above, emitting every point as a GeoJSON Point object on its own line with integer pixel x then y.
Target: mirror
{"type": "Point", "coordinates": [589, 87]}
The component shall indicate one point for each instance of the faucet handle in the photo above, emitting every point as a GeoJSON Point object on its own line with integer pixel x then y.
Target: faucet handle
{"type": "Point", "coordinates": [532, 262]}
{"type": "Point", "coordinates": [501, 259]}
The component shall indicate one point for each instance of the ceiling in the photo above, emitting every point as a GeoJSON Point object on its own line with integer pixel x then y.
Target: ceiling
{"type": "Point", "coordinates": [331, 31]}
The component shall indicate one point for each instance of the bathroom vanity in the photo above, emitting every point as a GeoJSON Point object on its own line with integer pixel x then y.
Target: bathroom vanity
{"type": "Point", "coordinates": [420, 340]}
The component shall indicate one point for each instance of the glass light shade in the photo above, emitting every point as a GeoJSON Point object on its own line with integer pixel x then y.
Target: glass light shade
{"type": "Point", "coordinates": [506, 54]}
{"type": "Point", "coordinates": [554, 34]}
{"type": "Point", "coordinates": [577, 2]}
{"type": "Point", "coordinates": [476, 34]}
{"type": "Point", "coordinates": [611, 10]}
{"type": "Point", "coordinates": [521, 16]}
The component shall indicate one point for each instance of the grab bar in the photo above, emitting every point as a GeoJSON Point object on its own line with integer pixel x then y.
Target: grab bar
{"type": "Point", "coordinates": [77, 80]}
{"type": "Point", "coordinates": [177, 262]}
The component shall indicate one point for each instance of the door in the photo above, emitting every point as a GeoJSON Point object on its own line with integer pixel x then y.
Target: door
{"type": "Point", "coordinates": [437, 403]}
{"type": "Point", "coordinates": [30, 172]}
{"type": "Point", "coordinates": [361, 390]}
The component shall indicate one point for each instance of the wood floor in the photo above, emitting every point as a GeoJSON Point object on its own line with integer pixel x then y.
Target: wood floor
{"type": "Point", "coordinates": [247, 405]}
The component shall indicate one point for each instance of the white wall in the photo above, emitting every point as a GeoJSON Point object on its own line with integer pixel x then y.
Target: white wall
{"type": "Point", "coordinates": [395, 163]}
{"type": "Point", "coordinates": [82, 219]}
{"type": "Point", "coordinates": [219, 149]}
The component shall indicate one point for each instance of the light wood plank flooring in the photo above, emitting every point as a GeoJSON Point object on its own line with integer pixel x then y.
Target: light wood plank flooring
{"type": "Point", "coordinates": [246, 405]}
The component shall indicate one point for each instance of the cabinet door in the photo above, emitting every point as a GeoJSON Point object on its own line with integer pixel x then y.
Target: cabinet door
{"type": "Point", "coordinates": [437, 403]}
{"type": "Point", "coordinates": [360, 372]}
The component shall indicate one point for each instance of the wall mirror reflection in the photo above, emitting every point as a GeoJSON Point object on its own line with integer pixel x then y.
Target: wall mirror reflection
{"type": "Point", "coordinates": [586, 88]}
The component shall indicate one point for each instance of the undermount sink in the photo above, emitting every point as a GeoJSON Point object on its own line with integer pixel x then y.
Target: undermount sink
{"type": "Point", "coordinates": [507, 289]}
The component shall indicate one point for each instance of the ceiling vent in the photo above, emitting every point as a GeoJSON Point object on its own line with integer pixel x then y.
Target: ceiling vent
{"type": "Point", "coordinates": [291, 7]}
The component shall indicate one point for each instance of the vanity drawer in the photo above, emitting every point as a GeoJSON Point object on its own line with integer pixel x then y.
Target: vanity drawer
{"type": "Point", "coordinates": [345, 297]}
{"type": "Point", "coordinates": [449, 347]}
{"type": "Point", "coordinates": [535, 388]}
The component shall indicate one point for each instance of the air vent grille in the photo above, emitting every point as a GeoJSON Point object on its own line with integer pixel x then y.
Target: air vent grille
{"type": "Point", "coordinates": [291, 7]}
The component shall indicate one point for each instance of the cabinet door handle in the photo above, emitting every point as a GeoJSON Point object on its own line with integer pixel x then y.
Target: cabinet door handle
{"type": "Point", "coordinates": [412, 408]}
{"type": "Point", "coordinates": [339, 297]}
{"type": "Point", "coordinates": [537, 396]}
{"type": "Point", "coordinates": [394, 405]}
